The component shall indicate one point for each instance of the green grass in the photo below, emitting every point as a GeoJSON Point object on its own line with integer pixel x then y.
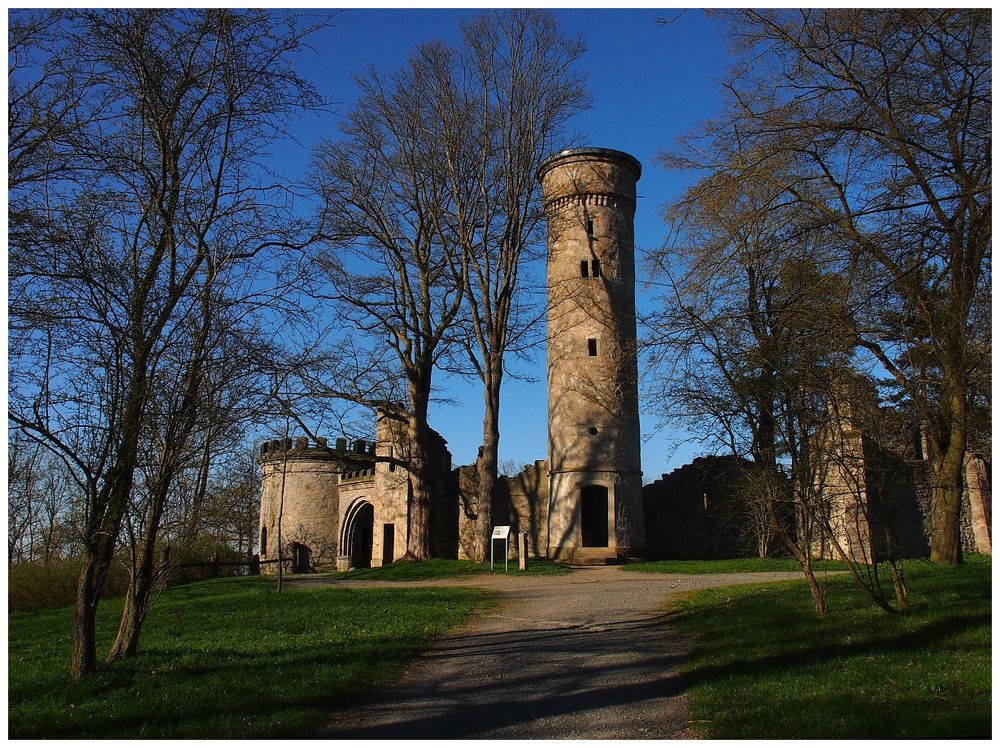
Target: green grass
{"type": "Point", "coordinates": [764, 666]}
{"type": "Point", "coordinates": [730, 566]}
{"type": "Point", "coordinates": [440, 568]}
{"type": "Point", "coordinates": [225, 659]}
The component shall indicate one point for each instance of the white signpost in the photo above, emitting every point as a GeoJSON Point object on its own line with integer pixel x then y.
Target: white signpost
{"type": "Point", "coordinates": [500, 532]}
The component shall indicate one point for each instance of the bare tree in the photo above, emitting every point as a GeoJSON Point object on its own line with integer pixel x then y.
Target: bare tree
{"type": "Point", "coordinates": [394, 270]}
{"type": "Point", "coordinates": [444, 220]}
{"type": "Point", "coordinates": [753, 343]}
{"type": "Point", "coordinates": [504, 99]}
{"type": "Point", "coordinates": [173, 190]}
{"type": "Point", "coordinates": [881, 122]}
{"type": "Point", "coordinates": [204, 394]}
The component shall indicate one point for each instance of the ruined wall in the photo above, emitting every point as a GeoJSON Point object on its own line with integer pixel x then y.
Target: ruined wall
{"type": "Point", "coordinates": [391, 495]}
{"type": "Point", "coordinates": [695, 512]}
{"type": "Point", "coordinates": [520, 501]}
{"type": "Point", "coordinates": [896, 510]}
{"type": "Point", "coordinates": [977, 505]}
{"type": "Point", "coordinates": [444, 509]}
{"type": "Point", "coordinates": [527, 501]}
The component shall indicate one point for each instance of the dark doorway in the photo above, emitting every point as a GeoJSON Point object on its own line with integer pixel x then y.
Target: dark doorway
{"type": "Point", "coordinates": [362, 528]}
{"type": "Point", "coordinates": [302, 558]}
{"type": "Point", "coordinates": [388, 543]}
{"type": "Point", "coordinates": [594, 516]}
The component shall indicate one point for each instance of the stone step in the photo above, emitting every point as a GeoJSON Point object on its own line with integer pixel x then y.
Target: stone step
{"type": "Point", "coordinates": [594, 557]}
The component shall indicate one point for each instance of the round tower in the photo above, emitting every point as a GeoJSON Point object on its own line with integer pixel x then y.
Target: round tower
{"type": "Point", "coordinates": [304, 478]}
{"type": "Point", "coordinates": [595, 480]}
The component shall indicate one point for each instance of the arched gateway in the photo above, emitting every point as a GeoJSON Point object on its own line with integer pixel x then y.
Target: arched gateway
{"type": "Point", "coordinates": [357, 536]}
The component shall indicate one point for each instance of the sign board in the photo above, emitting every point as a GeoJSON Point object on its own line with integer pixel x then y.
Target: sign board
{"type": "Point", "coordinates": [500, 532]}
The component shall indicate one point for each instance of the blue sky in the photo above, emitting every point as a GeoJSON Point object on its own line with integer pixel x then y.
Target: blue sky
{"type": "Point", "coordinates": [649, 82]}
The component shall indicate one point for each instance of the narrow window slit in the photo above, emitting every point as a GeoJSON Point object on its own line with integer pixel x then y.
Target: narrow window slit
{"type": "Point", "coordinates": [591, 346]}
{"type": "Point", "coordinates": [595, 268]}
{"type": "Point", "coordinates": [584, 269]}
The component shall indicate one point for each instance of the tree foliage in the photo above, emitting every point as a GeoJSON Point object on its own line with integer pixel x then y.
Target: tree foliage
{"type": "Point", "coordinates": [875, 126]}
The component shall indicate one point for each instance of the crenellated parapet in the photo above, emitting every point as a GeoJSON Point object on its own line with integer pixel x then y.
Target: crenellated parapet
{"type": "Point", "coordinates": [317, 449]}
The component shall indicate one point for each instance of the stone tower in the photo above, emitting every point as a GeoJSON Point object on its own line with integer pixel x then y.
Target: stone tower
{"type": "Point", "coordinates": [595, 480]}
{"type": "Point", "coordinates": [309, 474]}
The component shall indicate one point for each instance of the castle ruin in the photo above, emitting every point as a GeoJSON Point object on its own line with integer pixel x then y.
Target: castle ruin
{"type": "Point", "coordinates": [347, 505]}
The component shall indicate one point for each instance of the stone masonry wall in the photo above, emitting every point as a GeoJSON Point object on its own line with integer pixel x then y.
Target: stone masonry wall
{"type": "Point", "coordinates": [520, 501]}
{"type": "Point", "coordinates": [694, 512]}
{"type": "Point", "coordinates": [311, 500]}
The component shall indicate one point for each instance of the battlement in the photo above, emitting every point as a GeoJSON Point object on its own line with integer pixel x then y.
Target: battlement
{"type": "Point", "coordinates": [303, 447]}
{"type": "Point", "coordinates": [358, 475]}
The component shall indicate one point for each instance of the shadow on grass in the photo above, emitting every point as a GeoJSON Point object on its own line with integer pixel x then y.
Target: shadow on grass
{"type": "Point", "coordinates": [226, 660]}
{"type": "Point", "coordinates": [764, 666]}
{"type": "Point", "coordinates": [914, 641]}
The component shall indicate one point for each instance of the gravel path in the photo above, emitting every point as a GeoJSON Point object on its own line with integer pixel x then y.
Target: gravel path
{"type": "Point", "coordinates": [581, 656]}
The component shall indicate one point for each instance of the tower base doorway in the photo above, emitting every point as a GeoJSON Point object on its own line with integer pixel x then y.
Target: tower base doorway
{"type": "Point", "coordinates": [594, 517]}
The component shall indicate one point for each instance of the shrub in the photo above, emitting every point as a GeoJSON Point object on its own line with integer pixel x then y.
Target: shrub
{"type": "Point", "coordinates": [32, 585]}
{"type": "Point", "coordinates": [190, 562]}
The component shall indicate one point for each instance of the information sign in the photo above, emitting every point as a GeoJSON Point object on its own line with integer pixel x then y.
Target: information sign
{"type": "Point", "coordinates": [500, 532]}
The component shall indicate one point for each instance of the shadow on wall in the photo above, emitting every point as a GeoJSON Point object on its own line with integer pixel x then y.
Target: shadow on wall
{"type": "Point", "coordinates": [520, 501]}
{"type": "Point", "coordinates": [695, 511]}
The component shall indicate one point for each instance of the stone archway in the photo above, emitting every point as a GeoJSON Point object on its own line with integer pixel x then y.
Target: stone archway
{"type": "Point", "coordinates": [594, 517]}
{"type": "Point", "coordinates": [357, 539]}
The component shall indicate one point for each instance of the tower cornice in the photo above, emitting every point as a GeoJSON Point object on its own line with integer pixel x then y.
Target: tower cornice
{"type": "Point", "coordinates": [590, 154]}
{"type": "Point", "coordinates": [603, 199]}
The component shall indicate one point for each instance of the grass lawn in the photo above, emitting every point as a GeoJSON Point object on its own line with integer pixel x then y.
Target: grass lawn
{"type": "Point", "coordinates": [225, 659]}
{"type": "Point", "coordinates": [730, 566]}
{"type": "Point", "coordinates": [764, 666]}
{"type": "Point", "coordinates": [442, 568]}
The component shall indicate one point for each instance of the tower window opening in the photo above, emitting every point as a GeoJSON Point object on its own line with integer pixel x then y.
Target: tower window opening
{"type": "Point", "coordinates": [591, 346]}
{"type": "Point", "coordinates": [590, 227]}
{"type": "Point", "coordinates": [584, 269]}
{"type": "Point", "coordinates": [593, 431]}
{"type": "Point", "coordinates": [595, 268]}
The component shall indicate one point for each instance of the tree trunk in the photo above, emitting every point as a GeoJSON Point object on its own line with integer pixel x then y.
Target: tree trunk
{"type": "Point", "coordinates": [946, 508]}
{"type": "Point", "coordinates": [819, 599]}
{"type": "Point", "coordinates": [899, 586]}
{"type": "Point", "coordinates": [126, 643]}
{"type": "Point", "coordinates": [486, 474]}
{"type": "Point", "coordinates": [137, 601]}
{"type": "Point", "coordinates": [101, 535]}
{"type": "Point", "coordinates": [946, 493]}
{"type": "Point", "coordinates": [418, 539]}
{"type": "Point", "coordinates": [418, 545]}
{"type": "Point", "coordinates": [85, 619]}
